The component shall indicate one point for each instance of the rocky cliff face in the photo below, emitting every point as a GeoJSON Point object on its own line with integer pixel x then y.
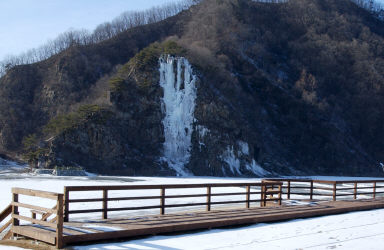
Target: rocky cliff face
{"type": "Point", "coordinates": [244, 89]}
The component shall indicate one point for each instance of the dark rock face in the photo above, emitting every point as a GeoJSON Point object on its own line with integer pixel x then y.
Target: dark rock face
{"type": "Point", "coordinates": [128, 142]}
{"type": "Point", "coordinates": [281, 89]}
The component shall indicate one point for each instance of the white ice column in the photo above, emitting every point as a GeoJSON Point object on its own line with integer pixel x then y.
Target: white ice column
{"type": "Point", "coordinates": [178, 104]}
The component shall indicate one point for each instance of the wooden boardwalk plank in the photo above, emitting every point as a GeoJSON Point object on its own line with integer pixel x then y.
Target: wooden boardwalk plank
{"type": "Point", "coordinates": [93, 230]}
{"type": "Point", "coordinates": [148, 225]}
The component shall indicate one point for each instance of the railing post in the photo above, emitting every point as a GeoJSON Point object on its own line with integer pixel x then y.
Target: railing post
{"type": "Point", "coordinates": [280, 192]}
{"type": "Point", "coordinates": [209, 190]}
{"type": "Point", "coordinates": [355, 191]}
{"type": "Point", "coordinates": [374, 190]}
{"type": "Point", "coordinates": [248, 197]}
{"type": "Point", "coordinates": [334, 191]}
{"type": "Point", "coordinates": [289, 190]}
{"type": "Point", "coordinates": [162, 201]}
{"type": "Point", "coordinates": [311, 191]}
{"type": "Point", "coordinates": [262, 194]}
{"type": "Point", "coordinates": [15, 209]}
{"type": "Point", "coordinates": [66, 204]}
{"type": "Point", "coordinates": [105, 204]}
{"type": "Point", "coordinates": [265, 195]}
{"type": "Point", "coordinates": [60, 219]}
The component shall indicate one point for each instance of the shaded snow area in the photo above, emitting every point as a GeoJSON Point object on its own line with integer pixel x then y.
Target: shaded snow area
{"type": "Point", "coordinates": [7, 166]}
{"type": "Point", "coordinates": [358, 230]}
{"type": "Point", "coordinates": [178, 103]}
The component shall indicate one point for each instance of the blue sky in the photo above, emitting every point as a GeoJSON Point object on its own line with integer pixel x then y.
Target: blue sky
{"type": "Point", "coordinates": [26, 24]}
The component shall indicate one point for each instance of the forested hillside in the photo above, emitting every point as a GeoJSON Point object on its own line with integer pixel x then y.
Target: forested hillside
{"type": "Point", "coordinates": [223, 88]}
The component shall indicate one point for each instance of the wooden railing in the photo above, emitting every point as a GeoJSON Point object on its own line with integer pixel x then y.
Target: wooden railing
{"type": "Point", "coordinates": [268, 190]}
{"type": "Point", "coordinates": [3, 215]}
{"type": "Point", "coordinates": [57, 211]}
{"type": "Point", "coordinates": [265, 190]}
{"type": "Point", "coordinates": [311, 189]}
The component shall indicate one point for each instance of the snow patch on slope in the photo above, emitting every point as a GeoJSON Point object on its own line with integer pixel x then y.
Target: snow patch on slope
{"type": "Point", "coordinates": [238, 159]}
{"type": "Point", "coordinates": [256, 168]}
{"type": "Point", "coordinates": [203, 132]}
{"type": "Point", "coordinates": [178, 103]}
{"type": "Point", "coordinates": [243, 147]}
{"type": "Point", "coordinates": [230, 158]}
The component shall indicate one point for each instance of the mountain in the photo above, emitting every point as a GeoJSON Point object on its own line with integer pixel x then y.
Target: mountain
{"type": "Point", "coordinates": [225, 88]}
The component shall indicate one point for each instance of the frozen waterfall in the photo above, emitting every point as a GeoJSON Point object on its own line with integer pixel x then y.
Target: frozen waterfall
{"type": "Point", "coordinates": [178, 105]}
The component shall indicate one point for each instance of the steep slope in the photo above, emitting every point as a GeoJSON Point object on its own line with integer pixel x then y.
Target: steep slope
{"type": "Point", "coordinates": [230, 88]}
{"type": "Point", "coordinates": [33, 94]}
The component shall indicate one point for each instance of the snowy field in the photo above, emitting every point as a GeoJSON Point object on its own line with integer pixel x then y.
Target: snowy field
{"type": "Point", "coordinates": [359, 230]}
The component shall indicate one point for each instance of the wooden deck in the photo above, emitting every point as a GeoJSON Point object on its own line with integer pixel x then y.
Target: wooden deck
{"type": "Point", "coordinates": [104, 229]}
{"type": "Point", "coordinates": [256, 202]}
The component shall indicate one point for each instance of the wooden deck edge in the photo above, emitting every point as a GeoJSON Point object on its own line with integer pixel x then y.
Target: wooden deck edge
{"type": "Point", "coordinates": [70, 239]}
{"type": "Point", "coordinates": [35, 233]}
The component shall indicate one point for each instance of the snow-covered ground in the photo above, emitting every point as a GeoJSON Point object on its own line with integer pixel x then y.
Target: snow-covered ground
{"type": "Point", "coordinates": [359, 230]}
{"type": "Point", "coordinates": [9, 248]}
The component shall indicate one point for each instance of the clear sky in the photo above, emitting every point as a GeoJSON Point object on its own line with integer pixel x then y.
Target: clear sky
{"type": "Point", "coordinates": [26, 24]}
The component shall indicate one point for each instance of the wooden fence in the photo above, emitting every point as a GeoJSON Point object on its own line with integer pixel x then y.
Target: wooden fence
{"type": "Point", "coordinates": [311, 189]}
{"type": "Point", "coordinates": [266, 190]}
{"type": "Point", "coordinates": [57, 211]}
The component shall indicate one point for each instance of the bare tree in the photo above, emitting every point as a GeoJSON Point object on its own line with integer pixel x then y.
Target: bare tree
{"type": "Point", "coordinates": [104, 31]}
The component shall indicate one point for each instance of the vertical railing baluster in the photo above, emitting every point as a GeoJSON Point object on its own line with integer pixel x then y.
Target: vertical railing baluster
{"type": "Point", "coordinates": [311, 191]}
{"type": "Point", "coordinates": [105, 204]}
{"type": "Point", "coordinates": [15, 211]}
{"type": "Point", "coordinates": [262, 194]}
{"type": "Point", "coordinates": [66, 204]}
{"type": "Point", "coordinates": [355, 191]}
{"type": "Point", "coordinates": [209, 190]}
{"type": "Point", "coordinates": [334, 191]}
{"type": "Point", "coordinates": [265, 195]}
{"type": "Point", "coordinates": [289, 190]}
{"type": "Point", "coordinates": [162, 201]}
{"type": "Point", "coordinates": [60, 223]}
{"type": "Point", "coordinates": [248, 197]}
{"type": "Point", "coordinates": [374, 190]}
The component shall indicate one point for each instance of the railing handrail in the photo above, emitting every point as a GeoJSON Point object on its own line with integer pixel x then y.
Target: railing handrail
{"type": "Point", "coordinates": [37, 193]}
{"type": "Point", "coordinates": [162, 196]}
{"type": "Point", "coordinates": [6, 212]}
{"type": "Point", "coordinates": [327, 181]}
{"type": "Point", "coordinates": [356, 188]}
{"type": "Point", "coordinates": [167, 186]}
{"type": "Point", "coordinates": [3, 215]}
{"type": "Point", "coordinates": [302, 180]}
